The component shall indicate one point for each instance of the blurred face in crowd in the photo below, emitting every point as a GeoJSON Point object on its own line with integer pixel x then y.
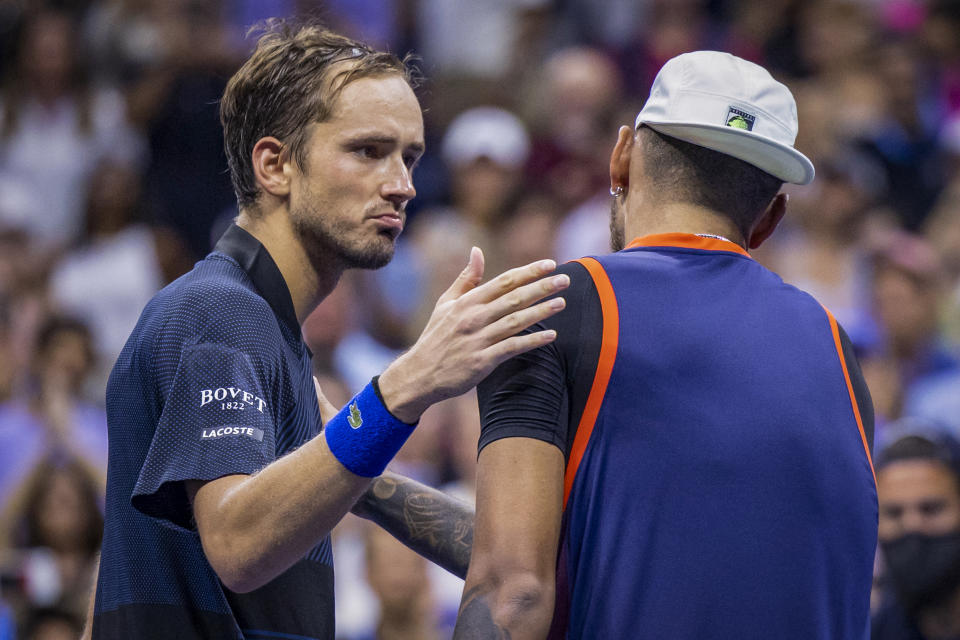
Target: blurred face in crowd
{"type": "Point", "coordinates": [67, 359]}
{"type": "Point", "coordinates": [907, 308]}
{"type": "Point", "coordinates": [112, 198]}
{"type": "Point", "coordinates": [919, 531]}
{"type": "Point", "coordinates": [350, 196]}
{"type": "Point", "coordinates": [64, 511]}
{"type": "Point", "coordinates": [482, 188]}
{"type": "Point", "coordinates": [917, 496]}
{"type": "Point", "coordinates": [47, 54]}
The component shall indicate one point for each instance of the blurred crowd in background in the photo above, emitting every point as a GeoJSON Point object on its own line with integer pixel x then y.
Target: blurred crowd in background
{"type": "Point", "coordinates": [113, 182]}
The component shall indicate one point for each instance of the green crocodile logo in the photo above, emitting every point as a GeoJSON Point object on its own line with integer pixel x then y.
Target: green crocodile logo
{"type": "Point", "coordinates": [355, 420]}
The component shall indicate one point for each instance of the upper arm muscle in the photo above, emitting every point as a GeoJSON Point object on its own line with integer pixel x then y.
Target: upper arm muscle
{"type": "Point", "coordinates": [519, 505]}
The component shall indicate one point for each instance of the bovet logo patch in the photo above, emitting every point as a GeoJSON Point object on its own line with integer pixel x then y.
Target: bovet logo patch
{"type": "Point", "coordinates": [231, 399]}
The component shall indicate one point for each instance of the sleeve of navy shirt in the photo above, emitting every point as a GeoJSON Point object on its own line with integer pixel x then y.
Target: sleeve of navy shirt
{"type": "Point", "coordinates": [217, 376]}
{"type": "Point", "coordinates": [541, 394]}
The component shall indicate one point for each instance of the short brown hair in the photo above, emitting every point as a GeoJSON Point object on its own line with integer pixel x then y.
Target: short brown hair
{"type": "Point", "coordinates": [685, 172]}
{"type": "Point", "coordinates": [286, 85]}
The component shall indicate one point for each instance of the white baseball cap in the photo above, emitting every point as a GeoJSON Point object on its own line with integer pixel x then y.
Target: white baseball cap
{"type": "Point", "coordinates": [722, 102]}
{"type": "Point", "coordinates": [486, 132]}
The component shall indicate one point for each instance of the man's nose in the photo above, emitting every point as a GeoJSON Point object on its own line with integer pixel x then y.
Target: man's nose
{"type": "Point", "coordinates": [398, 188]}
{"type": "Point", "coordinates": [913, 521]}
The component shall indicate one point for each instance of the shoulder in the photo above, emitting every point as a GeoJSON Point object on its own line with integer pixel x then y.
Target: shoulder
{"type": "Point", "coordinates": [216, 302]}
{"type": "Point", "coordinates": [582, 285]}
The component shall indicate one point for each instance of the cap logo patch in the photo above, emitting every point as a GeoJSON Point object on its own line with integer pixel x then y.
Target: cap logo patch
{"type": "Point", "coordinates": [739, 119]}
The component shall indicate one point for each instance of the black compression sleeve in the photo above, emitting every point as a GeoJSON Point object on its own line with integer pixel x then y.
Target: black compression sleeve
{"type": "Point", "coordinates": [860, 390]}
{"type": "Point", "coordinates": [541, 394]}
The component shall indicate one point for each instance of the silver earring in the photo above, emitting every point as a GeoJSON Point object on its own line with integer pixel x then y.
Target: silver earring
{"type": "Point", "coordinates": [616, 191]}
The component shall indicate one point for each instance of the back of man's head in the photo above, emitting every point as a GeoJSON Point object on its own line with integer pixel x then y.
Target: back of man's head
{"type": "Point", "coordinates": [678, 171]}
{"type": "Point", "coordinates": [718, 131]}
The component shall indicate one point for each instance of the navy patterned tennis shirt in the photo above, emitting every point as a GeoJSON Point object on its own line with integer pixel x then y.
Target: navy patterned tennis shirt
{"type": "Point", "coordinates": [215, 380]}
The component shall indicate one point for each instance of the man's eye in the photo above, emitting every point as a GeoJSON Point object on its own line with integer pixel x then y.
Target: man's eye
{"type": "Point", "coordinates": [892, 512]}
{"type": "Point", "coordinates": [932, 508]}
{"type": "Point", "coordinates": [410, 161]}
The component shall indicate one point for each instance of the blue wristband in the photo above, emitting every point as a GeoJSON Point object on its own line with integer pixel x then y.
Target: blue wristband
{"type": "Point", "coordinates": [364, 436]}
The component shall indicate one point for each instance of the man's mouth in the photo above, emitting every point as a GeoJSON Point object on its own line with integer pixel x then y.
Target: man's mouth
{"type": "Point", "coordinates": [391, 220]}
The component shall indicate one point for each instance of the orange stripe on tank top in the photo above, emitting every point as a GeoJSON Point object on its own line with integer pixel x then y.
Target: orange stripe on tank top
{"type": "Point", "coordinates": [608, 353]}
{"type": "Point", "coordinates": [853, 397]}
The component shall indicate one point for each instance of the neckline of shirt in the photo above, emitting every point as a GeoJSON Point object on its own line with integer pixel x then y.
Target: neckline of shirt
{"type": "Point", "coordinates": [238, 244]}
{"type": "Point", "coordinates": [705, 242]}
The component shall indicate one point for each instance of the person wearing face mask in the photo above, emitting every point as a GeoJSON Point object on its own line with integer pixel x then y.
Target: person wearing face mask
{"type": "Point", "coordinates": [918, 485]}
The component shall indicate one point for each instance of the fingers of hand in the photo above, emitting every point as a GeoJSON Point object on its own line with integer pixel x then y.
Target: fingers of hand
{"type": "Point", "coordinates": [522, 297]}
{"type": "Point", "coordinates": [511, 280]}
{"type": "Point", "coordinates": [515, 322]}
{"type": "Point", "coordinates": [469, 278]}
{"type": "Point", "coordinates": [506, 349]}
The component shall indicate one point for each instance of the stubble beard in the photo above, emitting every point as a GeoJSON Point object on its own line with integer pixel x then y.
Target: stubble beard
{"type": "Point", "coordinates": [329, 243]}
{"type": "Point", "coordinates": [617, 239]}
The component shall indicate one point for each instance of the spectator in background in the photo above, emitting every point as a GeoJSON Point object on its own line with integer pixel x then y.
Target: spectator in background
{"type": "Point", "coordinates": [24, 272]}
{"type": "Point", "coordinates": [530, 228]}
{"type": "Point", "coordinates": [174, 99]}
{"type": "Point", "coordinates": [52, 624]}
{"type": "Point", "coordinates": [911, 354]}
{"type": "Point", "coordinates": [118, 265]}
{"type": "Point", "coordinates": [58, 508]}
{"type": "Point", "coordinates": [573, 104]}
{"type": "Point", "coordinates": [918, 486]}
{"type": "Point", "coordinates": [484, 150]}
{"type": "Point", "coordinates": [54, 127]}
{"type": "Point", "coordinates": [472, 38]}
{"type": "Point", "coordinates": [6, 351]}
{"type": "Point", "coordinates": [573, 108]}
{"type": "Point", "coordinates": [906, 141]}
{"type": "Point", "coordinates": [399, 580]}
{"type": "Point", "coordinates": [52, 417]}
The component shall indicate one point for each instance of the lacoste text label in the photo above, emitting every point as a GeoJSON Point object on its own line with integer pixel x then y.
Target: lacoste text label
{"type": "Point", "coordinates": [250, 432]}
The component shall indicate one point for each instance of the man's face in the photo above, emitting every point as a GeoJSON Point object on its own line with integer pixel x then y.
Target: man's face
{"type": "Point", "coordinates": [906, 308]}
{"type": "Point", "coordinates": [917, 496]}
{"type": "Point", "coordinates": [347, 203]}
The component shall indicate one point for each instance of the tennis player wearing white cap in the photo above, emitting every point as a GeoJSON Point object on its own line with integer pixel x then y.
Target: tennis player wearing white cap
{"type": "Point", "coordinates": [691, 458]}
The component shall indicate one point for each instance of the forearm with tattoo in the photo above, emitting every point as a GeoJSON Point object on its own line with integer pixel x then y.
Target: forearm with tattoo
{"type": "Point", "coordinates": [475, 620]}
{"type": "Point", "coordinates": [437, 526]}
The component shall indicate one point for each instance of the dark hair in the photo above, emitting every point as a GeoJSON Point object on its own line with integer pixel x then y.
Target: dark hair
{"type": "Point", "coordinates": [288, 83]}
{"type": "Point", "coordinates": [39, 483]}
{"type": "Point", "coordinates": [933, 446]}
{"type": "Point", "coordinates": [685, 172]}
{"type": "Point", "coordinates": [57, 324]}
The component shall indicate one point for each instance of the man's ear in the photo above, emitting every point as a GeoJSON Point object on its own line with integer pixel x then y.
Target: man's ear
{"type": "Point", "coordinates": [269, 158]}
{"type": "Point", "coordinates": [620, 160]}
{"type": "Point", "coordinates": [768, 222]}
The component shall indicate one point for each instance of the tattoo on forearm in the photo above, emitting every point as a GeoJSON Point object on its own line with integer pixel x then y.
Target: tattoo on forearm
{"type": "Point", "coordinates": [475, 620]}
{"type": "Point", "coordinates": [435, 525]}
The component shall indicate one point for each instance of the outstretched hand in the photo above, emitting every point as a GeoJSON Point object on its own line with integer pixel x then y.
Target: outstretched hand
{"type": "Point", "coordinates": [473, 328]}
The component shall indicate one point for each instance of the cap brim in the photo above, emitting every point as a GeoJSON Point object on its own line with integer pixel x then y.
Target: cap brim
{"type": "Point", "coordinates": [777, 159]}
